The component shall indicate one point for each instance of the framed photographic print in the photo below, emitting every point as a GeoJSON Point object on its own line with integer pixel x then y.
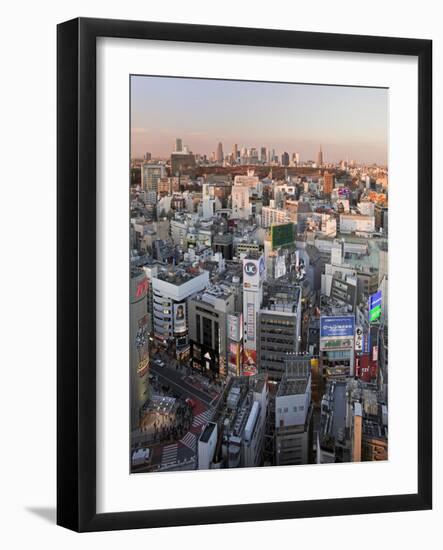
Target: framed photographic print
{"type": "Point", "coordinates": [244, 274]}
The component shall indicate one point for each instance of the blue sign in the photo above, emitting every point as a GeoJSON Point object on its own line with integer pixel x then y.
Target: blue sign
{"type": "Point", "coordinates": [375, 300]}
{"type": "Point", "coordinates": [337, 326]}
{"type": "Point", "coordinates": [374, 306]}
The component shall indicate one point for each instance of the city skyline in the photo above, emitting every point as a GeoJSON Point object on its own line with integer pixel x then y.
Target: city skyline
{"type": "Point", "coordinates": [348, 123]}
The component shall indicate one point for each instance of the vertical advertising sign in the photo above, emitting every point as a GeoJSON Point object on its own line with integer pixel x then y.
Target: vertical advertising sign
{"type": "Point", "coordinates": [249, 362]}
{"type": "Point", "coordinates": [141, 343]}
{"type": "Point", "coordinates": [358, 339]}
{"type": "Point", "coordinates": [234, 356]}
{"type": "Point", "coordinates": [250, 322]}
{"type": "Point", "coordinates": [375, 306]}
{"type": "Point", "coordinates": [180, 318]}
{"type": "Point", "coordinates": [234, 327]}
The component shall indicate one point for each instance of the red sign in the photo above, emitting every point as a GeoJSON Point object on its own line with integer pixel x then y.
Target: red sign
{"type": "Point", "coordinates": [142, 288]}
{"type": "Point", "coordinates": [365, 368]}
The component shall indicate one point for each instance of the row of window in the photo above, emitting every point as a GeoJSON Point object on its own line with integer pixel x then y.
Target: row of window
{"type": "Point", "coordinates": [301, 408]}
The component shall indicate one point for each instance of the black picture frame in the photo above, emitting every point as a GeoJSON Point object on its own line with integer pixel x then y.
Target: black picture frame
{"type": "Point", "coordinates": [76, 280]}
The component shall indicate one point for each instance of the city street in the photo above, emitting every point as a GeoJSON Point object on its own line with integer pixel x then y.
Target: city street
{"type": "Point", "coordinates": [178, 383]}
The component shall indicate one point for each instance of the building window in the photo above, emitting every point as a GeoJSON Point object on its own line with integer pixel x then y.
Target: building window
{"type": "Point", "coordinates": [207, 332]}
{"type": "Point", "coordinates": [198, 329]}
{"type": "Point", "coordinates": [295, 409]}
{"type": "Point", "coordinates": [216, 336]}
{"type": "Point", "coordinates": [285, 409]}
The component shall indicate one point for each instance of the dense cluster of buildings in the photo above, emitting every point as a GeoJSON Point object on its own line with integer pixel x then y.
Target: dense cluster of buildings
{"type": "Point", "coordinates": [267, 276]}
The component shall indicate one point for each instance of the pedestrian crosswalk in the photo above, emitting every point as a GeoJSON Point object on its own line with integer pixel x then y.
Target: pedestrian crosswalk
{"type": "Point", "coordinates": [202, 418]}
{"type": "Point", "coordinates": [170, 454]}
{"type": "Point", "coordinates": [190, 440]}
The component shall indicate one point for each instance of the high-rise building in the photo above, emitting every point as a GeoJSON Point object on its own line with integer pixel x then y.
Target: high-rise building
{"type": "Point", "coordinates": [219, 154]}
{"type": "Point", "coordinates": [328, 183]}
{"type": "Point", "coordinates": [147, 157]}
{"type": "Point", "coordinates": [240, 202]}
{"type": "Point", "coordinates": [178, 145]}
{"type": "Point", "coordinates": [208, 312]}
{"type": "Point", "coordinates": [150, 176]}
{"type": "Point", "coordinates": [279, 327]}
{"type": "Point", "coordinates": [235, 153]}
{"type": "Point", "coordinates": [263, 154]}
{"type": "Point", "coordinates": [285, 159]}
{"type": "Point", "coordinates": [320, 158]}
{"type": "Point", "coordinates": [171, 288]}
{"type": "Point", "coordinates": [297, 158]}
{"type": "Point", "coordinates": [139, 352]}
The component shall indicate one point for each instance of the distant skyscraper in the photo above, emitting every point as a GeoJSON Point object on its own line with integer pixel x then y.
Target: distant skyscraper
{"type": "Point", "coordinates": [285, 159]}
{"type": "Point", "coordinates": [219, 154]}
{"type": "Point", "coordinates": [178, 145]}
{"type": "Point", "coordinates": [235, 152]}
{"type": "Point", "coordinates": [297, 158]}
{"type": "Point", "coordinates": [263, 154]}
{"type": "Point", "coordinates": [320, 158]}
{"type": "Point", "coordinates": [147, 156]}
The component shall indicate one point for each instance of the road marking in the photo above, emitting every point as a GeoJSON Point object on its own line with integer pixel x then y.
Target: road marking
{"type": "Point", "coordinates": [190, 440]}
{"type": "Point", "coordinates": [170, 454]}
{"type": "Point", "coordinates": [202, 418]}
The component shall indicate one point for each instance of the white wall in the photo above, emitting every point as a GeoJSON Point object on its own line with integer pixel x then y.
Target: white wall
{"type": "Point", "coordinates": [27, 403]}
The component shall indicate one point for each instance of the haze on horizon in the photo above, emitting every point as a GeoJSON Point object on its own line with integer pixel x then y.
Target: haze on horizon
{"type": "Point", "coordinates": [348, 122]}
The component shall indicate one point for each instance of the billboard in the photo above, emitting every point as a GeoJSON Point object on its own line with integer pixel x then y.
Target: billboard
{"type": "Point", "coordinates": [249, 362]}
{"type": "Point", "coordinates": [358, 339]}
{"type": "Point", "coordinates": [141, 344]}
{"type": "Point", "coordinates": [375, 306]}
{"type": "Point", "coordinates": [365, 368]}
{"type": "Point", "coordinates": [139, 287]}
{"type": "Point", "coordinates": [180, 318]}
{"type": "Point", "coordinates": [234, 327]}
{"type": "Point", "coordinates": [282, 235]}
{"type": "Point", "coordinates": [250, 322]}
{"type": "Point", "coordinates": [253, 273]}
{"type": "Point", "coordinates": [337, 332]}
{"type": "Point", "coordinates": [234, 356]}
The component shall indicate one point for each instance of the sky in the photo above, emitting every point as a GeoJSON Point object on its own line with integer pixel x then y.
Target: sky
{"type": "Point", "coordinates": [349, 123]}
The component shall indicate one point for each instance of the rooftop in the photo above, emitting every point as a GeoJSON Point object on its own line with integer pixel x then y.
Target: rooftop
{"type": "Point", "coordinates": [207, 432]}
{"type": "Point", "coordinates": [179, 275]}
{"type": "Point", "coordinates": [292, 386]}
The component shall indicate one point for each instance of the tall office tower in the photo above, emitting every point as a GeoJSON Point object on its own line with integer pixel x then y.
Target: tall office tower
{"type": "Point", "coordinates": [263, 154]}
{"type": "Point", "coordinates": [320, 158]}
{"type": "Point", "coordinates": [147, 157]}
{"type": "Point", "coordinates": [178, 145]}
{"type": "Point", "coordinates": [219, 154]}
{"type": "Point", "coordinates": [150, 176]}
{"type": "Point", "coordinates": [297, 158]}
{"type": "Point", "coordinates": [235, 152]}
{"type": "Point", "coordinates": [328, 183]}
{"type": "Point", "coordinates": [285, 159]}
{"type": "Point", "coordinates": [278, 326]}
